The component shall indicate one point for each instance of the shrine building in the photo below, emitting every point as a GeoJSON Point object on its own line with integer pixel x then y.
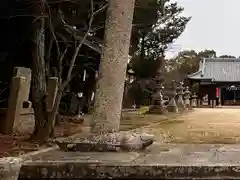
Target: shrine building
{"type": "Point", "coordinates": [218, 80]}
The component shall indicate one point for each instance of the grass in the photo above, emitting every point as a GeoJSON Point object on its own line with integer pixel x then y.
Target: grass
{"type": "Point", "coordinates": [136, 120]}
{"type": "Point", "coordinates": [201, 126]}
{"type": "Point", "coordinates": [194, 128]}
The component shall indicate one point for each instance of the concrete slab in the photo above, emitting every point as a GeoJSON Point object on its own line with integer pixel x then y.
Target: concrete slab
{"type": "Point", "coordinates": [168, 161]}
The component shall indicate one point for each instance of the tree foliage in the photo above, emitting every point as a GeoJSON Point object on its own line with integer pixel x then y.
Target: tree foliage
{"type": "Point", "coordinates": [227, 56]}
{"type": "Point", "coordinates": [150, 41]}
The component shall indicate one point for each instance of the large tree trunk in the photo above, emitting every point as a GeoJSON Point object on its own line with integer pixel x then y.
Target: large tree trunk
{"type": "Point", "coordinates": [113, 65]}
{"type": "Point", "coordinates": [39, 89]}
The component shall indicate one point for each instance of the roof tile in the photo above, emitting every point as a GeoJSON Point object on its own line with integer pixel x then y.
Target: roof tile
{"type": "Point", "coordinates": [219, 69]}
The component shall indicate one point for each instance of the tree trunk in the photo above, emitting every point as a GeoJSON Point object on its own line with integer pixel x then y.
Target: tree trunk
{"type": "Point", "coordinates": [39, 90]}
{"type": "Point", "coordinates": [113, 65]}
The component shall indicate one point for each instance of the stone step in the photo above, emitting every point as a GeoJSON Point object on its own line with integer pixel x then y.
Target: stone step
{"type": "Point", "coordinates": [169, 161]}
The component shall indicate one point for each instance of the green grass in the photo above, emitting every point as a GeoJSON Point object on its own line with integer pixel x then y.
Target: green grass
{"type": "Point", "coordinates": [136, 120]}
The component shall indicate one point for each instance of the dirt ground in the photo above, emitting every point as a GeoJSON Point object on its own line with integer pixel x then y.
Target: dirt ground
{"type": "Point", "coordinates": [16, 145]}
{"type": "Point", "coordinates": [209, 126]}
{"type": "Point", "coordinates": [200, 126]}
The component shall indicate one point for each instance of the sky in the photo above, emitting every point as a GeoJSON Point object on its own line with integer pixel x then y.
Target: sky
{"type": "Point", "coordinates": [215, 24]}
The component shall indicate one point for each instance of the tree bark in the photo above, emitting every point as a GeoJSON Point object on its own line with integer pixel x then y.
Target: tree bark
{"type": "Point", "coordinates": [113, 65]}
{"type": "Point", "coordinates": [39, 90]}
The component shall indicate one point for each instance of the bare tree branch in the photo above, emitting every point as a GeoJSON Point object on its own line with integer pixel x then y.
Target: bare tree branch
{"type": "Point", "coordinates": [52, 29]}
{"type": "Point", "coordinates": [65, 83]}
{"type": "Point", "coordinates": [60, 65]}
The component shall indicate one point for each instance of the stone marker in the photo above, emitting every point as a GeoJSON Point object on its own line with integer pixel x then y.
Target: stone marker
{"type": "Point", "coordinates": [15, 103]}
{"type": "Point", "coordinates": [172, 106]}
{"type": "Point", "coordinates": [27, 73]}
{"type": "Point", "coordinates": [180, 101]}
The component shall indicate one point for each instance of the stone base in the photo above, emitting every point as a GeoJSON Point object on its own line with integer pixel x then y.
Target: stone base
{"type": "Point", "coordinates": [182, 110]}
{"type": "Point", "coordinates": [10, 168]}
{"type": "Point", "coordinates": [107, 142]}
{"type": "Point", "coordinates": [173, 109]}
{"type": "Point", "coordinates": [78, 119]}
{"type": "Point", "coordinates": [181, 107]}
{"type": "Point", "coordinates": [155, 109]}
{"type": "Point", "coordinates": [188, 106]}
{"type": "Point", "coordinates": [169, 161]}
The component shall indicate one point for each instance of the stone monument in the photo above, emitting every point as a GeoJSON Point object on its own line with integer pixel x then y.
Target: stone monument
{"type": "Point", "coordinates": [27, 74]}
{"type": "Point", "coordinates": [15, 101]}
{"type": "Point", "coordinates": [172, 106]}
{"type": "Point", "coordinates": [20, 115]}
{"type": "Point", "coordinates": [180, 101]}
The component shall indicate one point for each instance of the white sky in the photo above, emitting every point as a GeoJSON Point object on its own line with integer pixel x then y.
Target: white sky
{"type": "Point", "coordinates": [215, 24]}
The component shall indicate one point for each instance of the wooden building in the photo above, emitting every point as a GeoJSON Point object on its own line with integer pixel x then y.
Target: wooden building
{"type": "Point", "coordinates": [218, 81]}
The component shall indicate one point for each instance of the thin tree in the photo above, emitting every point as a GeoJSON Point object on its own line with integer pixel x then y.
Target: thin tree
{"type": "Point", "coordinates": [44, 120]}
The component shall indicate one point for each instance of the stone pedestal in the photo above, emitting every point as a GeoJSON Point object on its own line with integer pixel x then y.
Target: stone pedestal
{"type": "Point", "coordinates": [157, 109]}
{"type": "Point", "coordinates": [194, 103]}
{"type": "Point", "coordinates": [108, 142]}
{"type": "Point", "coordinates": [10, 168]}
{"type": "Point", "coordinates": [187, 103]}
{"type": "Point", "coordinates": [172, 107]}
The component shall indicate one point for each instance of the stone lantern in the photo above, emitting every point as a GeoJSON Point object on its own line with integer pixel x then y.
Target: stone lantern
{"type": "Point", "coordinates": [130, 76]}
{"type": "Point", "coordinates": [157, 103]}
{"type": "Point", "coordinates": [172, 106]}
{"type": "Point", "coordinates": [187, 97]}
{"type": "Point", "coordinates": [194, 100]}
{"type": "Point", "coordinates": [180, 101]}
